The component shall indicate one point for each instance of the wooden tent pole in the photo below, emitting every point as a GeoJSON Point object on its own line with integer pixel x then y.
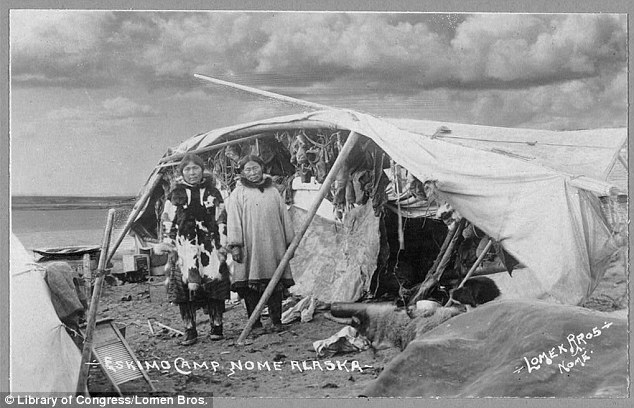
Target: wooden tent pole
{"type": "Point", "coordinates": [477, 262]}
{"type": "Point", "coordinates": [492, 270]}
{"type": "Point", "coordinates": [94, 304]}
{"type": "Point", "coordinates": [178, 156]}
{"type": "Point", "coordinates": [433, 276]}
{"type": "Point", "coordinates": [255, 131]}
{"type": "Point", "coordinates": [323, 191]}
{"type": "Point", "coordinates": [474, 266]}
{"type": "Point", "coordinates": [623, 162]}
{"type": "Point", "coordinates": [138, 206]}
{"type": "Point", "coordinates": [396, 173]}
{"type": "Point", "coordinates": [450, 233]}
{"type": "Point", "coordinates": [260, 92]}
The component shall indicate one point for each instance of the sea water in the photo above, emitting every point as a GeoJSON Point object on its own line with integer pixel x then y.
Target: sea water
{"type": "Point", "coordinates": [55, 228]}
{"type": "Point", "coordinates": [61, 228]}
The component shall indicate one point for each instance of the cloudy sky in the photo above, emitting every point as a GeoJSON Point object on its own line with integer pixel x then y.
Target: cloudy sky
{"type": "Point", "coordinates": [98, 96]}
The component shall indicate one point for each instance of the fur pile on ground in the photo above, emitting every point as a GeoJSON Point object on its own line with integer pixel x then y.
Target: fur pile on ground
{"type": "Point", "coordinates": [385, 326]}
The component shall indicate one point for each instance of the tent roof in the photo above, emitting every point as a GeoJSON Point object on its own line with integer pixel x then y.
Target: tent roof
{"type": "Point", "coordinates": [591, 153]}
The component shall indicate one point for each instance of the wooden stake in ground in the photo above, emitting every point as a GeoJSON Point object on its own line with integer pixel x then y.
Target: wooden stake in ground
{"type": "Point", "coordinates": [323, 191]}
{"type": "Point", "coordinates": [87, 275]}
{"type": "Point", "coordinates": [94, 304]}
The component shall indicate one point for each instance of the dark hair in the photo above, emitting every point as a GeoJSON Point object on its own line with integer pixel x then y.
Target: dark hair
{"type": "Point", "coordinates": [251, 158]}
{"type": "Point", "coordinates": [190, 158]}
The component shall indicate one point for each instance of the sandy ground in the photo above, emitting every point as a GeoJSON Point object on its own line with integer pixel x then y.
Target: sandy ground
{"type": "Point", "coordinates": [288, 365]}
{"type": "Point", "coordinates": [299, 372]}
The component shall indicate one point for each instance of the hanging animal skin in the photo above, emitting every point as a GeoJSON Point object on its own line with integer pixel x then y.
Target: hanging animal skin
{"type": "Point", "coordinates": [234, 153]}
{"type": "Point", "coordinates": [299, 147]}
{"type": "Point", "coordinates": [339, 188]}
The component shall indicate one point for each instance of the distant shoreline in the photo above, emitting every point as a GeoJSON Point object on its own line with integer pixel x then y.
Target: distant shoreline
{"type": "Point", "coordinates": [26, 203]}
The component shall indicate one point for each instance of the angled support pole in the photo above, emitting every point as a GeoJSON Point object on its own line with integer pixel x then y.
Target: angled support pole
{"type": "Point", "coordinates": [323, 191]}
{"type": "Point", "coordinates": [94, 304]}
{"type": "Point", "coordinates": [474, 266]}
{"type": "Point", "coordinates": [138, 207]}
{"type": "Point", "coordinates": [623, 162]}
{"type": "Point", "coordinates": [436, 271]}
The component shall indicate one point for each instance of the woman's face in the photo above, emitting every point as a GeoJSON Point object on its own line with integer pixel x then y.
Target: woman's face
{"type": "Point", "coordinates": [192, 173]}
{"type": "Point", "coordinates": [252, 171]}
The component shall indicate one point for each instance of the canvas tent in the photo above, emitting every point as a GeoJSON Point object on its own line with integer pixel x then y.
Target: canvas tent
{"type": "Point", "coordinates": [591, 153]}
{"type": "Point", "coordinates": [548, 220]}
{"type": "Point", "coordinates": [43, 357]}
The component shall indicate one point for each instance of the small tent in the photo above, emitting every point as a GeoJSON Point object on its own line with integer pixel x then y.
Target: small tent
{"type": "Point", "coordinates": [547, 216]}
{"type": "Point", "coordinates": [43, 357]}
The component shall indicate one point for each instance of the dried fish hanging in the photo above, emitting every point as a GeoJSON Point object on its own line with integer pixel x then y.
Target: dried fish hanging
{"type": "Point", "coordinates": [284, 138]}
{"type": "Point", "coordinates": [298, 156]}
{"type": "Point", "coordinates": [339, 189]}
{"type": "Point", "coordinates": [379, 183]}
{"type": "Point", "coordinates": [225, 166]}
{"type": "Point", "coordinates": [318, 156]}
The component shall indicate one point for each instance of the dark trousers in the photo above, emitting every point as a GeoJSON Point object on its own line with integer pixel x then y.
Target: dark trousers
{"type": "Point", "coordinates": [251, 299]}
{"type": "Point", "coordinates": [215, 307]}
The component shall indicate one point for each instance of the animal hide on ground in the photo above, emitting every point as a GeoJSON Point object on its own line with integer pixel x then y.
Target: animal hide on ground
{"type": "Point", "coordinates": [385, 326]}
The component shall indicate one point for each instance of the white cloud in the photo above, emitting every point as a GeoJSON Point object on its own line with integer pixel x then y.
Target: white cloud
{"type": "Point", "coordinates": [306, 48]}
{"type": "Point", "coordinates": [64, 113]}
{"type": "Point", "coordinates": [265, 109]}
{"type": "Point", "coordinates": [577, 104]}
{"type": "Point", "coordinates": [118, 108]}
{"type": "Point", "coordinates": [49, 33]}
{"type": "Point", "coordinates": [196, 94]}
{"type": "Point", "coordinates": [532, 48]}
{"type": "Point", "coordinates": [504, 68]}
{"type": "Point", "coordinates": [122, 107]}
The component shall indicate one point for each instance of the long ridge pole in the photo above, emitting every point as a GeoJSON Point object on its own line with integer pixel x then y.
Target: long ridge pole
{"type": "Point", "coordinates": [260, 92]}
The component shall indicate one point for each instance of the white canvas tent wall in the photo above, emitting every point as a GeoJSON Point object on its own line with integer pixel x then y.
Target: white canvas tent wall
{"type": "Point", "coordinates": [541, 216]}
{"type": "Point", "coordinates": [43, 358]}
